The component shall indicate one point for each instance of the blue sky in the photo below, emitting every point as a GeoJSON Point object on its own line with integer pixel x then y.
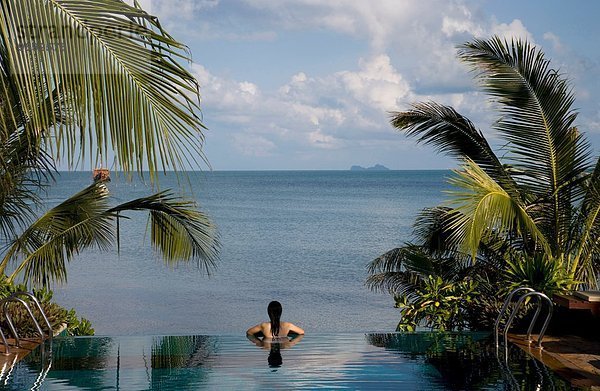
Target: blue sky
{"type": "Point", "coordinates": [308, 84]}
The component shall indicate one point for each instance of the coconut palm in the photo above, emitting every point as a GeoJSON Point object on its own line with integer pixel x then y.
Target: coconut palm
{"type": "Point", "coordinates": [536, 201]}
{"type": "Point", "coordinates": [79, 80]}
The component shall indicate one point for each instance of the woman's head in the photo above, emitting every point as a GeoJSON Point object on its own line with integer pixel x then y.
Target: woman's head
{"type": "Point", "coordinates": [274, 310]}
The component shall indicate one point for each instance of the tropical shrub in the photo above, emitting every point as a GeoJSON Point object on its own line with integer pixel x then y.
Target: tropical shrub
{"type": "Point", "coordinates": [59, 317]}
{"type": "Point", "coordinates": [78, 326]}
{"type": "Point", "coordinates": [540, 273]}
{"type": "Point", "coordinates": [439, 305]}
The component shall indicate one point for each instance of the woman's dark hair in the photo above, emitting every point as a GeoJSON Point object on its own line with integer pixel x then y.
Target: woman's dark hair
{"type": "Point", "coordinates": [274, 310]}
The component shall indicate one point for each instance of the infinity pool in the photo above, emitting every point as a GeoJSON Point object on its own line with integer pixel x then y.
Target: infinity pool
{"type": "Point", "coordinates": [420, 361]}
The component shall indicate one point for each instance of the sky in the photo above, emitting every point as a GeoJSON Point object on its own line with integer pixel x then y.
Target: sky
{"type": "Point", "coordinates": [310, 84]}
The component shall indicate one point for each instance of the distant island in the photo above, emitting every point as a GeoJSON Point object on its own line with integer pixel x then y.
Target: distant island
{"type": "Point", "coordinates": [377, 167]}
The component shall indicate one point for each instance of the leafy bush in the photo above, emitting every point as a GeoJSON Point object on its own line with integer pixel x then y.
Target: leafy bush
{"type": "Point", "coordinates": [78, 327]}
{"type": "Point", "coordinates": [58, 316]}
{"type": "Point", "coordinates": [543, 274]}
{"type": "Point", "coordinates": [438, 304]}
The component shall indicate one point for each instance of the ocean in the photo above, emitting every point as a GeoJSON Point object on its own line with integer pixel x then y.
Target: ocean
{"type": "Point", "coordinates": [301, 237]}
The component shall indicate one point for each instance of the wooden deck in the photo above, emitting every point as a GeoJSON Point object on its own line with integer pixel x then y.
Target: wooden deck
{"type": "Point", "coordinates": [572, 357]}
{"type": "Point", "coordinates": [16, 354]}
{"type": "Point", "coordinates": [571, 302]}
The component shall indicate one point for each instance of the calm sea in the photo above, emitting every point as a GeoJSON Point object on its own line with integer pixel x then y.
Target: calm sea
{"type": "Point", "coordinates": [301, 237]}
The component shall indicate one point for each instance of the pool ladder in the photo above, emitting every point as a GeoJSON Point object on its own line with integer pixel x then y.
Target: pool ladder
{"type": "Point", "coordinates": [16, 298]}
{"type": "Point", "coordinates": [528, 293]}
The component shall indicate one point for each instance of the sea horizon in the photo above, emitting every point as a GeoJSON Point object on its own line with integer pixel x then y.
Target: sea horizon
{"type": "Point", "coordinates": [301, 237]}
{"type": "Point", "coordinates": [266, 170]}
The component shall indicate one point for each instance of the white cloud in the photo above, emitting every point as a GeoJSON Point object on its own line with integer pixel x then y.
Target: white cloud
{"type": "Point", "coordinates": [253, 145]}
{"type": "Point", "coordinates": [380, 21]}
{"type": "Point", "coordinates": [410, 56]}
{"type": "Point", "coordinates": [514, 29]}
{"type": "Point", "coordinates": [418, 36]}
{"type": "Point", "coordinates": [377, 84]}
{"type": "Point", "coordinates": [320, 140]}
{"type": "Point", "coordinates": [555, 41]}
{"type": "Point", "coordinates": [178, 9]}
{"type": "Point", "coordinates": [236, 99]}
{"type": "Point", "coordinates": [453, 26]}
{"type": "Point", "coordinates": [307, 111]}
{"type": "Point", "coordinates": [344, 109]}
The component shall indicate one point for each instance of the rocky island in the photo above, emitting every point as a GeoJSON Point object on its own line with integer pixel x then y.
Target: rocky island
{"type": "Point", "coordinates": [377, 167]}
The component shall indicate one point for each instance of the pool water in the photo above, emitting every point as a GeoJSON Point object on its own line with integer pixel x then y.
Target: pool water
{"type": "Point", "coordinates": [419, 361]}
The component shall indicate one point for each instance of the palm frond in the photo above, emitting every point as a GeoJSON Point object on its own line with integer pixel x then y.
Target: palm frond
{"type": "Point", "coordinates": [42, 251]}
{"type": "Point", "coordinates": [587, 244]}
{"type": "Point", "coordinates": [403, 269]}
{"type": "Point", "coordinates": [432, 229]}
{"type": "Point", "coordinates": [482, 206]}
{"type": "Point", "coordinates": [535, 103]}
{"type": "Point", "coordinates": [179, 231]}
{"type": "Point", "coordinates": [399, 271]}
{"type": "Point", "coordinates": [24, 171]}
{"type": "Point", "coordinates": [25, 167]}
{"type": "Point", "coordinates": [120, 72]}
{"type": "Point", "coordinates": [452, 134]}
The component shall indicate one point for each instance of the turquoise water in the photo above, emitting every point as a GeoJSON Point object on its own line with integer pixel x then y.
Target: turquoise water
{"type": "Point", "coordinates": [301, 237]}
{"type": "Point", "coordinates": [421, 361]}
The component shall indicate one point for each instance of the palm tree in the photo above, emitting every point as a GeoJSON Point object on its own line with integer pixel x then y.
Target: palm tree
{"type": "Point", "coordinates": [99, 75]}
{"type": "Point", "coordinates": [80, 79]}
{"type": "Point", "coordinates": [535, 202]}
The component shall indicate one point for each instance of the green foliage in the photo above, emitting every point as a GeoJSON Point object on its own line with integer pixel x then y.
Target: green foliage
{"type": "Point", "coordinates": [49, 113]}
{"type": "Point", "coordinates": [78, 327]}
{"type": "Point", "coordinates": [53, 106]}
{"type": "Point", "coordinates": [530, 213]}
{"type": "Point", "coordinates": [541, 273]}
{"type": "Point", "coordinates": [178, 230]}
{"type": "Point", "coordinates": [117, 53]}
{"type": "Point", "coordinates": [438, 305]}
{"type": "Point", "coordinates": [58, 316]}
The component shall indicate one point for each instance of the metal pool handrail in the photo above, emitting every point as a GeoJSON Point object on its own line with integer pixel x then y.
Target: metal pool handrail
{"type": "Point", "coordinates": [15, 298]}
{"type": "Point", "coordinates": [39, 307]}
{"type": "Point", "coordinates": [507, 302]}
{"type": "Point", "coordinates": [530, 293]}
{"type": "Point", "coordinates": [542, 297]}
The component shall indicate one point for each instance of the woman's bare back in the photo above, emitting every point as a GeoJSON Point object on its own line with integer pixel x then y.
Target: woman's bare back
{"type": "Point", "coordinates": [284, 329]}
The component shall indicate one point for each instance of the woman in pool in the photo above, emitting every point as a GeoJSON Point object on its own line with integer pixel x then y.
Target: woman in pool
{"type": "Point", "coordinates": [275, 328]}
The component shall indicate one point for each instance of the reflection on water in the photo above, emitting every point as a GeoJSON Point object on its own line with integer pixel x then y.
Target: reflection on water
{"type": "Point", "coordinates": [275, 360]}
{"type": "Point", "coordinates": [470, 361]}
{"type": "Point", "coordinates": [274, 346]}
{"type": "Point", "coordinates": [420, 361]}
{"type": "Point", "coordinates": [144, 363]}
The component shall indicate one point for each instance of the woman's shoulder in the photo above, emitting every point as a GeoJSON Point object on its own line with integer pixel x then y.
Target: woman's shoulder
{"type": "Point", "coordinates": [290, 327]}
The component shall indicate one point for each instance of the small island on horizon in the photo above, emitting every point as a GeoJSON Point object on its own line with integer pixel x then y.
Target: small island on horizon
{"type": "Point", "coordinates": [377, 167]}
